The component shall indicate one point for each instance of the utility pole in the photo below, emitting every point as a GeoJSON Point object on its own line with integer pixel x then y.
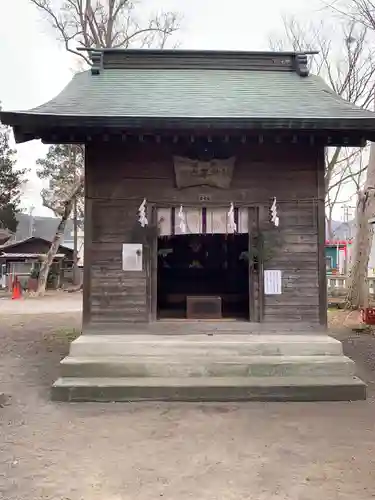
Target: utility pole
{"type": "Point", "coordinates": [348, 235]}
{"type": "Point", "coordinates": [347, 217]}
{"type": "Point", "coordinates": [31, 221]}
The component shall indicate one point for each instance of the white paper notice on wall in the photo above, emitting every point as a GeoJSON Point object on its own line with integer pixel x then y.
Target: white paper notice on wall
{"type": "Point", "coordinates": [132, 257]}
{"type": "Point", "coordinates": [272, 282]}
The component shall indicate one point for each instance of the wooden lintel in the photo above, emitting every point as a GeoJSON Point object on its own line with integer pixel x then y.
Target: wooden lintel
{"type": "Point", "coordinates": [339, 141]}
{"type": "Point", "coordinates": [309, 139]}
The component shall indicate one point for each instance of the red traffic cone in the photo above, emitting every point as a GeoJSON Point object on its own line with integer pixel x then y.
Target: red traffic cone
{"type": "Point", "coordinates": [16, 292]}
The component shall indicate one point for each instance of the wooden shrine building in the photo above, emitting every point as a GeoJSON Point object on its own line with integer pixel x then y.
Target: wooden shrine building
{"type": "Point", "coordinates": [204, 224]}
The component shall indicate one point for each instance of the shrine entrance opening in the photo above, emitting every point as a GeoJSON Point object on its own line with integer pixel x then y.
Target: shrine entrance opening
{"type": "Point", "coordinates": [203, 273]}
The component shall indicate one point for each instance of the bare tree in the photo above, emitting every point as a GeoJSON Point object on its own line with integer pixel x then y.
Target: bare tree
{"type": "Point", "coordinates": [106, 24]}
{"type": "Point", "coordinates": [347, 67]}
{"type": "Point", "coordinates": [94, 24]}
{"type": "Point", "coordinates": [63, 167]}
{"type": "Point", "coordinates": [64, 211]}
{"type": "Point", "coordinates": [359, 11]}
{"type": "Point", "coordinates": [358, 290]}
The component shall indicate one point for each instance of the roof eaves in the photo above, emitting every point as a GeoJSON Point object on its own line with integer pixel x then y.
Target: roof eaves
{"type": "Point", "coordinates": [29, 255]}
{"type": "Point", "coordinates": [42, 120]}
{"type": "Point", "coordinates": [25, 240]}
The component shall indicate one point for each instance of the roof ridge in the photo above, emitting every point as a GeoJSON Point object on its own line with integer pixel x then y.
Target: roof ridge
{"type": "Point", "coordinates": [198, 59]}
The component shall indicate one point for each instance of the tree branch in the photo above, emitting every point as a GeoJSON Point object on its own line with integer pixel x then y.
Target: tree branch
{"type": "Point", "coordinates": [349, 176]}
{"type": "Point", "coordinates": [104, 24]}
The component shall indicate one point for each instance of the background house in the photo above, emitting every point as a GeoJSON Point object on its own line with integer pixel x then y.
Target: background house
{"type": "Point", "coordinates": [345, 231]}
{"type": "Point", "coordinates": [20, 258]}
{"type": "Point", "coordinates": [336, 252]}
{"type": "Point", "coordinates": [45, 227]}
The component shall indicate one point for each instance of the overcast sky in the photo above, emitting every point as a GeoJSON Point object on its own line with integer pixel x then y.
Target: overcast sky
{"type": "Point", "coordinates": [35, 67]}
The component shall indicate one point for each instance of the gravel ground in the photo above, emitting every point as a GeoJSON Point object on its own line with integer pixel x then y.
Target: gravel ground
{"type": "Point", "coordinates": [54, 302]}
{"type": "Point", "coordinates": [262, 451]}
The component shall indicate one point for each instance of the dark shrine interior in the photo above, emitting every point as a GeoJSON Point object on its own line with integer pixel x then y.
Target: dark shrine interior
{"type": "Point", "coordinates": [203, 265]}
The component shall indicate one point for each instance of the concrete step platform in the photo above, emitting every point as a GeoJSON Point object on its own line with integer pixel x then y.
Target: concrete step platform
{"type": "Point", "coordinates": [201, 367]}
{"type": "Point", "coordinates": [219, 389]}
{"type": "Point", "coordinates": [205, 366]}
{"type": "Point", "coordinates": [205, 345]}
{"type": "Point", "coordinates": [183, 327]}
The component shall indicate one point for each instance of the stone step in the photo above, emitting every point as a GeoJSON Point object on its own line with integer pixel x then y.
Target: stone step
{"type": "Point", "coordinates": [209, 389]}
{"type": "Point", "coordinates": [205, 345]}
{"type": "Point", "coordinates": [204, 366]}
{"type": "Point", "coordinates": [202, 327]}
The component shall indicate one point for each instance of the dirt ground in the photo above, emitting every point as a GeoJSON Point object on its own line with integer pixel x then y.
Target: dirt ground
{"type": "Point", "coordinates": [262, 451]}
{"type": "Point", "coordinates": [53, 302]}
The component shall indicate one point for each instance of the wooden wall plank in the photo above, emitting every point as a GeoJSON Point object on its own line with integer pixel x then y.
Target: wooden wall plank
{"type": "Point", "coordinates": [320, 164]}
{"type": "Point", "coordinates": [120, 176]}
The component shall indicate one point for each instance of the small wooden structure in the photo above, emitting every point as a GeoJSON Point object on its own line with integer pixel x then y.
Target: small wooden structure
{"type": "Point", "coordinates": [186, 153]}
{"type": "Point", "coordinates": [337, 256]}
{"type": "Point", "coordinates": [20, 258]}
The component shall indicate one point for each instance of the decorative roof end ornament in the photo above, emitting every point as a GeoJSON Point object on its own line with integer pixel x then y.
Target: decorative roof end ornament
{"type": "Point", "coordinates": [142, 214]}
{"type": "Point", "coordinates": [96, 57]}
{"type": "Point", "coordinates": [301, 64]}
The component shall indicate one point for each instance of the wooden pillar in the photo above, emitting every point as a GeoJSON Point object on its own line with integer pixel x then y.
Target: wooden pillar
{"type": "Point", "coordinates": [153, 266]}
{"type": "Point", "coordinates": [261, 220]}
{"type": "Point", "coordinates": [253, 285]}
{"type": "Point", "coordinates": [255, 273]}
{"type": "Point", "coordinates": [321, 229]}
{"type": "Point", "coordinates": [86, 313]}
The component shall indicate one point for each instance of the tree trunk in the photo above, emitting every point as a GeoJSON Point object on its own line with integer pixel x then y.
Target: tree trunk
{"type": "Point", "coordinates": [46, 265]}
{"type": "Point", "coordinates": [357, 297]}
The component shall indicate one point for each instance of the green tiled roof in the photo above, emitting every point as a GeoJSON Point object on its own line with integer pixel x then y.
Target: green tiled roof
{"type": "Point", "coordinates": [199, 94]}
{"type": "Point", "coordinates": [186, 96]}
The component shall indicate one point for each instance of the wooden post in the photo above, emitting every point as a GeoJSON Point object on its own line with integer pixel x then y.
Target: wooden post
{"type": "Point", "coordinates": [153, 281]}
{"type": "Point", "coordinates": [321, 227]}
{"type": "Point", "coordinates": [261, 219]}
{"type": "Point", "coordinates": [252, 224]}
{"type": "Point", "coordinates": [76, 275]}
{"type": "Point", "coordinates": [86, 316]}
